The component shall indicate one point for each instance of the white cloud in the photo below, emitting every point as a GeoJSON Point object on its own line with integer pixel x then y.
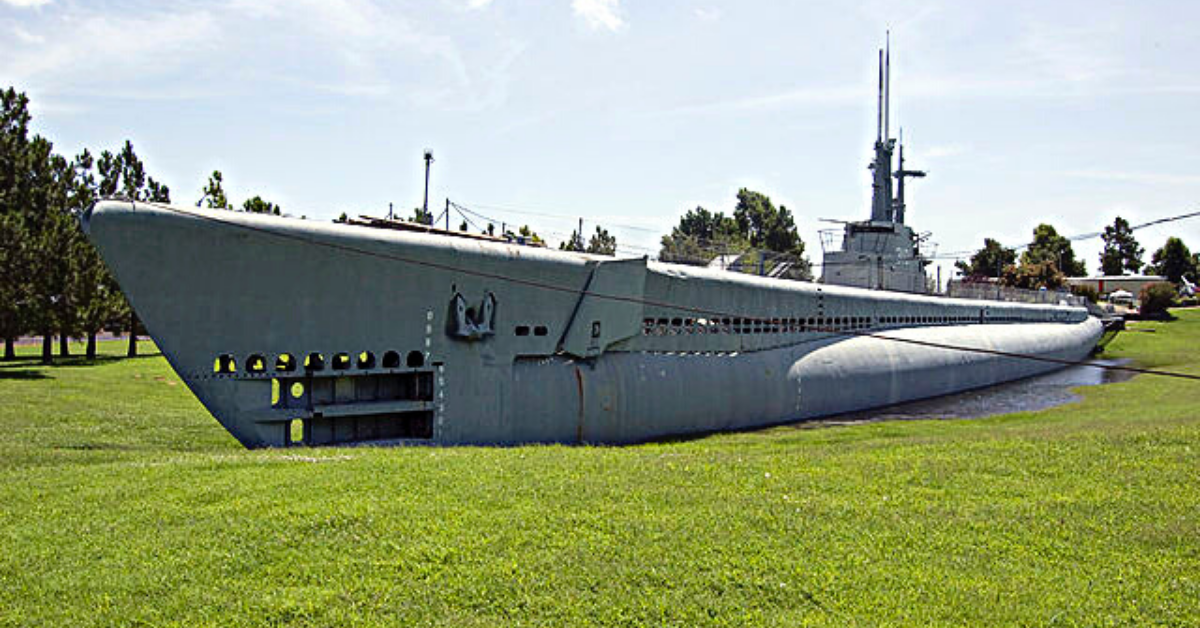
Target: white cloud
{"type": "Point", "coordinates": [830, 95]}
{"type": "Point", "coordinates": [26, 36]}
{"type": "Point", "coordinates": [1145, 178]}
{"type": "Point", "coordinates": [26, 4]}
{"type": "Point", "coordinates": [354, 48]}
{"type": "Point", "coordinates": [600, 14]}
{"type": "Point", "coordinates": [1076, 54]}
{"type": "Point", "coordinates": [91, 49]}
{"type": "Point", "coordinates": [708, 14]}
{"type": "Point", "coordinates": [943, 150]}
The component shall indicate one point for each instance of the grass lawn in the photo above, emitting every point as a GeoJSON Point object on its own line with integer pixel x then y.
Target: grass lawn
{"type": "Point", "coordinates": [122, 502]}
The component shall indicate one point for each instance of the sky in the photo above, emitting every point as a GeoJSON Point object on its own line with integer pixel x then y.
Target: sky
{"type": "Point", "coordinates": [628, 113]}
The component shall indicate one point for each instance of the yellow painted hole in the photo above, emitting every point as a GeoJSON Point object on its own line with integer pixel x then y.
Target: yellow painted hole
{"type": "Point", "coordinates": [274, 391]}
{"type": "Point", "coordinates": [297, 390]}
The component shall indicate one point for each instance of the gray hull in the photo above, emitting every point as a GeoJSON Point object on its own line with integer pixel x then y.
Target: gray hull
{"type": "Point", "coordinates": [397, 337]}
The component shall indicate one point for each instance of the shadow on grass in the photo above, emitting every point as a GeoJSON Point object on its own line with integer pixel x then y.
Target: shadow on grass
{"type": "Point", "coordinates": [26, 361]}
{"type": "Point", "coordinates": [24, 374]}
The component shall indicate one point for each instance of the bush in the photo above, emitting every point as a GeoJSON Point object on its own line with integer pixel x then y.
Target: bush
{"type": "Point", "coordinates": [1087, 292]}
{"type": "Point", "coordinates": [1155, 298]}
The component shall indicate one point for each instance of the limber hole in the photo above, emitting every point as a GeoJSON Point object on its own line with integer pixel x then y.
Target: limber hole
{"type": "Point", "coordinates": [314, 362]}
{"type": "Point", "coordinates": [256, 363]}
{"type": "Point", "coordinates": [366, 360]}
{"type": "Point", "coordinates": [341, 361]}
{"type": "Point", "coordinates": [415, 359]}
{"type": "Point", "coordinates": [224, 364]}
{"type": "Point", "coordinates": [391, 360]}
{"type": "Point", "coordinates": [285, 362]}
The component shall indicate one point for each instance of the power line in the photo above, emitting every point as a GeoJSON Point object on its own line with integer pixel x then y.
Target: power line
{"type": "Point", "coordinates": [643, 301]}
{"type": "Point", "coordinates": [1076, 238]}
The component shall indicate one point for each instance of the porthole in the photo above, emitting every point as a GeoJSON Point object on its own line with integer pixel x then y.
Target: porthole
{"type": "Point", "coordinates": [540, 330]}
{"type": "Point", "coordinates": [521, 330]}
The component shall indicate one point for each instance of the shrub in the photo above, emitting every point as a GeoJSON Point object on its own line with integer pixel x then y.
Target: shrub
{"type": "Point", "coordinates": [1155, 298]}
{"type": "Point", "coordinates": [1087, 292]}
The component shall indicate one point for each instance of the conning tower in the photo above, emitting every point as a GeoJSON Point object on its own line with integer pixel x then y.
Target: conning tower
{"type": "Point", "coordinates": [881, 253]}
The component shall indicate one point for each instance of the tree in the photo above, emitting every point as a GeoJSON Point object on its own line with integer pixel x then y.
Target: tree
{"type": "Point", "coordinates": [257, 205]}
{"type": "Point", "coordinates": [574, 243]}
{"type": "Point", "coordinates": [756, 224]}
{"type": "Point", "coordinates": [764, 226]}
{"type": "Point", "coordinates": [421, 216]}
{"type": "Point", "coordinates": [49, 229]}
{"type": "Point", "coordinates": [214, 192]}
{"type": "Point", "coordinates": [1047, 245]}
{"type": "Point", "coordinates": [1121, 251]}
{"type": "Point", "coordinates": [989, 261]}
{"type": "Point", "coordinates": [97, 298]}
{"type": "Point", "coordinates": [602, 243]}
{"type": "Point", "coordinates": [14, 245]}
{"type": "Point", "coordinates": [1033, 275]}
{"type": "Point", "coordinates": [701, 236]}
{"type": "Point", "coordinates": [1173, 261]}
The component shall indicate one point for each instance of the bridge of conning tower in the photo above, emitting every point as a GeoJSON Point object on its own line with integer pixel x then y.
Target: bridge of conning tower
{"type": "Point", "coordinates": [880, 253]}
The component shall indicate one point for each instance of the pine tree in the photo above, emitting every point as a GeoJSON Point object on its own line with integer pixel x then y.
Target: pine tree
{"type": "Point", "coordinates": [1121, 251]}
{"type": "Point", "coordinates": [602, 243]}
{"type": "Point", "coordinates": [14, 245]}
{"type": "Point", "coordinates": [1048, 246]}
{"type": "Point", "coordinates": [990, 261]}
{"type": "Point", "coordinates": [1174, 261]}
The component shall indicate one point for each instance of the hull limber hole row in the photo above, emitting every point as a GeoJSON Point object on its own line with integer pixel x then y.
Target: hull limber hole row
{"type": "Point", "coordinates": [256, 363]}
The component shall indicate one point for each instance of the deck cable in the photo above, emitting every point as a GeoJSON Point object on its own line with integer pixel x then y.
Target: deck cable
{"type": "Point", "coordinates": [643, 301]}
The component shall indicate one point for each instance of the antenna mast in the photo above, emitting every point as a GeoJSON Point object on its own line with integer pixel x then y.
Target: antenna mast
{"type": "Point", "coordinates": [887, 88]}
{"type": "Point", "coordinates": [879, 111]}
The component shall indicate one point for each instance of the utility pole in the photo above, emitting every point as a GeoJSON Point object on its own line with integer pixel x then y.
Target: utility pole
{"type": "Point", "coordinates": [447, 214]}
{"type": "Point", "coordinates": [428, 161]}
{"type": "Point", "coordinates": [579, 242]}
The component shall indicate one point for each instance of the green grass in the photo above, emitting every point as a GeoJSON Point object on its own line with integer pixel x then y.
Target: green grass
{"type": "Point", "coordinates": [122, 503]}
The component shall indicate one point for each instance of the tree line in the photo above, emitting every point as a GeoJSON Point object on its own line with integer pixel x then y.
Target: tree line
{"type": "Point", "coordinates": [53, 283]}
{"type": "Point", "coordinates": [756, 228]}
{"type": "Point", "coordinates": [1048, 259]}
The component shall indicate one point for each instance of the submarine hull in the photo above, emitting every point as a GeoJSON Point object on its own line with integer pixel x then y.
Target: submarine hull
{"type": "Point", "coordinates": [299, 332]}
